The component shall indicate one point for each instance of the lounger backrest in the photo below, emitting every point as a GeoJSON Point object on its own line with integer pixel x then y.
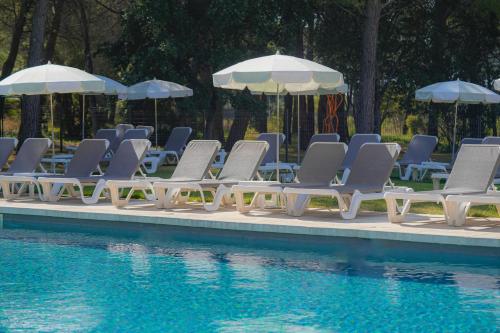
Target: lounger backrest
{"type": "Point", "coordinates": [324, 137]}
{"type": "Point", "coordinates": [7, 146]}
{"type": "Point", "coordinates": [29, 155]}
{"type": "Point", "coordinates": [474, 168]}
{"type": "Point", "coordinates": [127, 159]}
{"type": "Point", "coordinates": [177, 139]}
{"type": "Point", "coordinates": [149, 129]}
{"type": "Point", "coordinates": [87, 157]}
{"type": "Point", "coordinates": [373, 165]}
{"type": "Point", "coordinates": [244, 160]}
{"type": "Point", "coordinates": [111, 135]}
{"type": "Point", "coordinates": [420, 149]}
{"type": "Point", "coordinates": [122, 128]}
{"type": "Point", "coordinates": [492, 140]}
{"type": "Point", "coordinates": [196, 160]}
{"type": "Point", "coordinates": [140, 133]}
{"type": "Point", "coordinates": [270, 138]}
{"type": "Point", "coordinates": [321, 162]}
{"type": "Point", "coordinates": [471, 141]}
{"type": "Point", "coordinates": [357, 140]}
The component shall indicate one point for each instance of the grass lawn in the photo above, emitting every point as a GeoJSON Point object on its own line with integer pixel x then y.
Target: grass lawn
{"type": "Point", "coordinates": [376, 205]}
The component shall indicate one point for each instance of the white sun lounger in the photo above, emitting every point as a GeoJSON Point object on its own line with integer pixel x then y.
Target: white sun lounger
{"type": "Point", "coordinates": [472, 173]}
{"type": "Point", "coordinates": [83, 164]}
{"type": "Point", "coordinates": [357, 140]}
{"type": "Point", "coordinates": [370, 172]}
{"type": "Point", "coordinates": [193, 166]}
{"type": "Point", "coordinates": [319, 167]}
{"type": "Point", "coordinates": [123, 166]}
{"type": "Point", "coordinates": [241, 165]}
{"type": "Point", "coordinates": [459, 205]}
{"type": "Point", "coordinates": [174, 147]}
{"type": "Point", "coordinates": [444, 168]}
{"type": "Point", "coordinates": [27, 161]}
{"type": "Point", "coordinates": [419, 152]}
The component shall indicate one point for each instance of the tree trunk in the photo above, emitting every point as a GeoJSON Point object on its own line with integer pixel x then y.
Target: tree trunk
{"type": "Point", "coordinates": [31, 112]}
{"type": "Point", "coordinates": [214, 120]}
{"type": "Point", "coordinates": [438, 65]}
{"type": "Point", "coordinates": [307, 122]}
{"type": "Point", "coordinates": [366, 99]}
{"type": "Point", "coordinates": [303, 121]}
{"type": "Point", "coordinates": [238, 128]}
{"type": "Point", "coordinates": [54, 30]}
{"type": "Point", "coordinates": [261, 117]}
{"type": "Point", "coordinates": [89, 65]}
{"type": "Point", "coordinates": [287, 124]}
{"type": "Point", "coordinates": [322, 106]}
{"type": "Point", "coordinates": [8, 65]}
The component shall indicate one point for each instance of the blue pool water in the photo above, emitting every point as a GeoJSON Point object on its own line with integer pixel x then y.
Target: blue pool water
{"type": "Point", "coordinates": [97, 277]}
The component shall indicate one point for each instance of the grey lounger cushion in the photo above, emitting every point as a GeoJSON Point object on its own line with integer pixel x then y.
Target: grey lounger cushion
{"type": "Point", "coordinates": [419, 150]}
{"type": "Point", "coordinates": [29, 156]}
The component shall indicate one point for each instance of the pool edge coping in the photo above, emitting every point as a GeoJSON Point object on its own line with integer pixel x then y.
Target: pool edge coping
{"type": "Point", "coordinates": [258, 227]}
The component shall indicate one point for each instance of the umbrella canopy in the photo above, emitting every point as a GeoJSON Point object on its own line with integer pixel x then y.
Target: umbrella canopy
{"type": "Point", "coordinates": [496, 84]}
{"type": "Point", "coordinates": [277, 73]}
{"type": "Point", "coordinates": [111, 87]}
{"type": "Point", "coordinates": [50, 79]}
{"type": "Point", "coordinates": [456, 92]}
{"type": "Point", "coordinates": [156, 89]}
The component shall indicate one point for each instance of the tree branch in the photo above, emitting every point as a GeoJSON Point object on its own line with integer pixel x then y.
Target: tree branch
{"type": "Point", "coordinates": [114, 11]}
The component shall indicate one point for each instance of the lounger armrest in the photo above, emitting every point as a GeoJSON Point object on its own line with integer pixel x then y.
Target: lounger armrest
{"type": "Point", "coordinates": [258, 183]}
{"type": "Point", "coordinates": [432, 163]}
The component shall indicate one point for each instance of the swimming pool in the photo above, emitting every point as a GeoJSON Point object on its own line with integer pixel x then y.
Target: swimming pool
{"type": "Point", "coordinates": [103, 277]}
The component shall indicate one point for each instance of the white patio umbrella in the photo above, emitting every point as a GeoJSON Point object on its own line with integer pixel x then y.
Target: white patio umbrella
{"type": "Point", "coordinates": [342, 89]}
{"type": "Point", "coordinates": [496, 84]}
{"type": "Point", "coordinates": [111, 88]}
{"type": "Point", "coordinates": [458, 92]}
{"type": "Point", "coordinates": [50, 79]}
{"type": "Point", "coordinates": [157, 89]}
{"type": "Point", "coordinates": [278, 74]}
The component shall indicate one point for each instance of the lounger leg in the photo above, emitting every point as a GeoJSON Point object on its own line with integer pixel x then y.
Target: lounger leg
{"type": "Point", "coordinates": [349, 206]}
{"type": "Point", "coordinates": [99, 188]}
{"type": "Point", "coordinates": [160, 197]}
{"type": "Point", "coordinates": [115, 196]}
{"type": "Point", "coordinates": [455, 212]}
{"type": "Point", "coordinates": [394, 212]}
{"type": "Point", "coordinates": [296, 204]}
{"type": "Point", "coordinates": [6, 190]}
{"type": "Point", "coordinates": [239, 197]}
{"type": "Point", "coordinates": [171, 197]}
{"type": "Point", "coordinates": [219, 197]}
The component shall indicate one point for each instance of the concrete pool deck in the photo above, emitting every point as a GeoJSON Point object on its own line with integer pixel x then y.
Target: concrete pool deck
{"type": "Point", "coordinates": [419, 228]}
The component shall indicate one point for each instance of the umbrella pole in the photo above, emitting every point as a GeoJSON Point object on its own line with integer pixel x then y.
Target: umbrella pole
{"type": "Point", "coordinates": [278, 133]}
{"type": "Point", "coordinates": [156, 124]}
{"type": "Point", "coordinates": [454, 131]}
{"type": "Point", "coordinates": [52, 125]}
{"type": "Point", "coordinates": [83, 117]}
{"type": "Point", "coordinates": [298, 129]}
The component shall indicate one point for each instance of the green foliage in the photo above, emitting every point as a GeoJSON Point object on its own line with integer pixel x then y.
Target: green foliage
{"type": "Point", "coordinates": [415, 124]}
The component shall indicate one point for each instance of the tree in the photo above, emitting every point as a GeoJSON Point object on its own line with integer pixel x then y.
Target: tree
{"type": "Point", "coordinates": [31, 112]}
{"type": "Point", "coordinates": [16, 34]}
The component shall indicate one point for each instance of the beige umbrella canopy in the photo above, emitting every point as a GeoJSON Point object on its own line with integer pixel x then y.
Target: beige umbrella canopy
{"type": "Point", "coordinates": [278, 74]}
{"type": "Point", "coordinates": [156, 89]}
{"type": "Point", "coordinates": [50, 79]}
